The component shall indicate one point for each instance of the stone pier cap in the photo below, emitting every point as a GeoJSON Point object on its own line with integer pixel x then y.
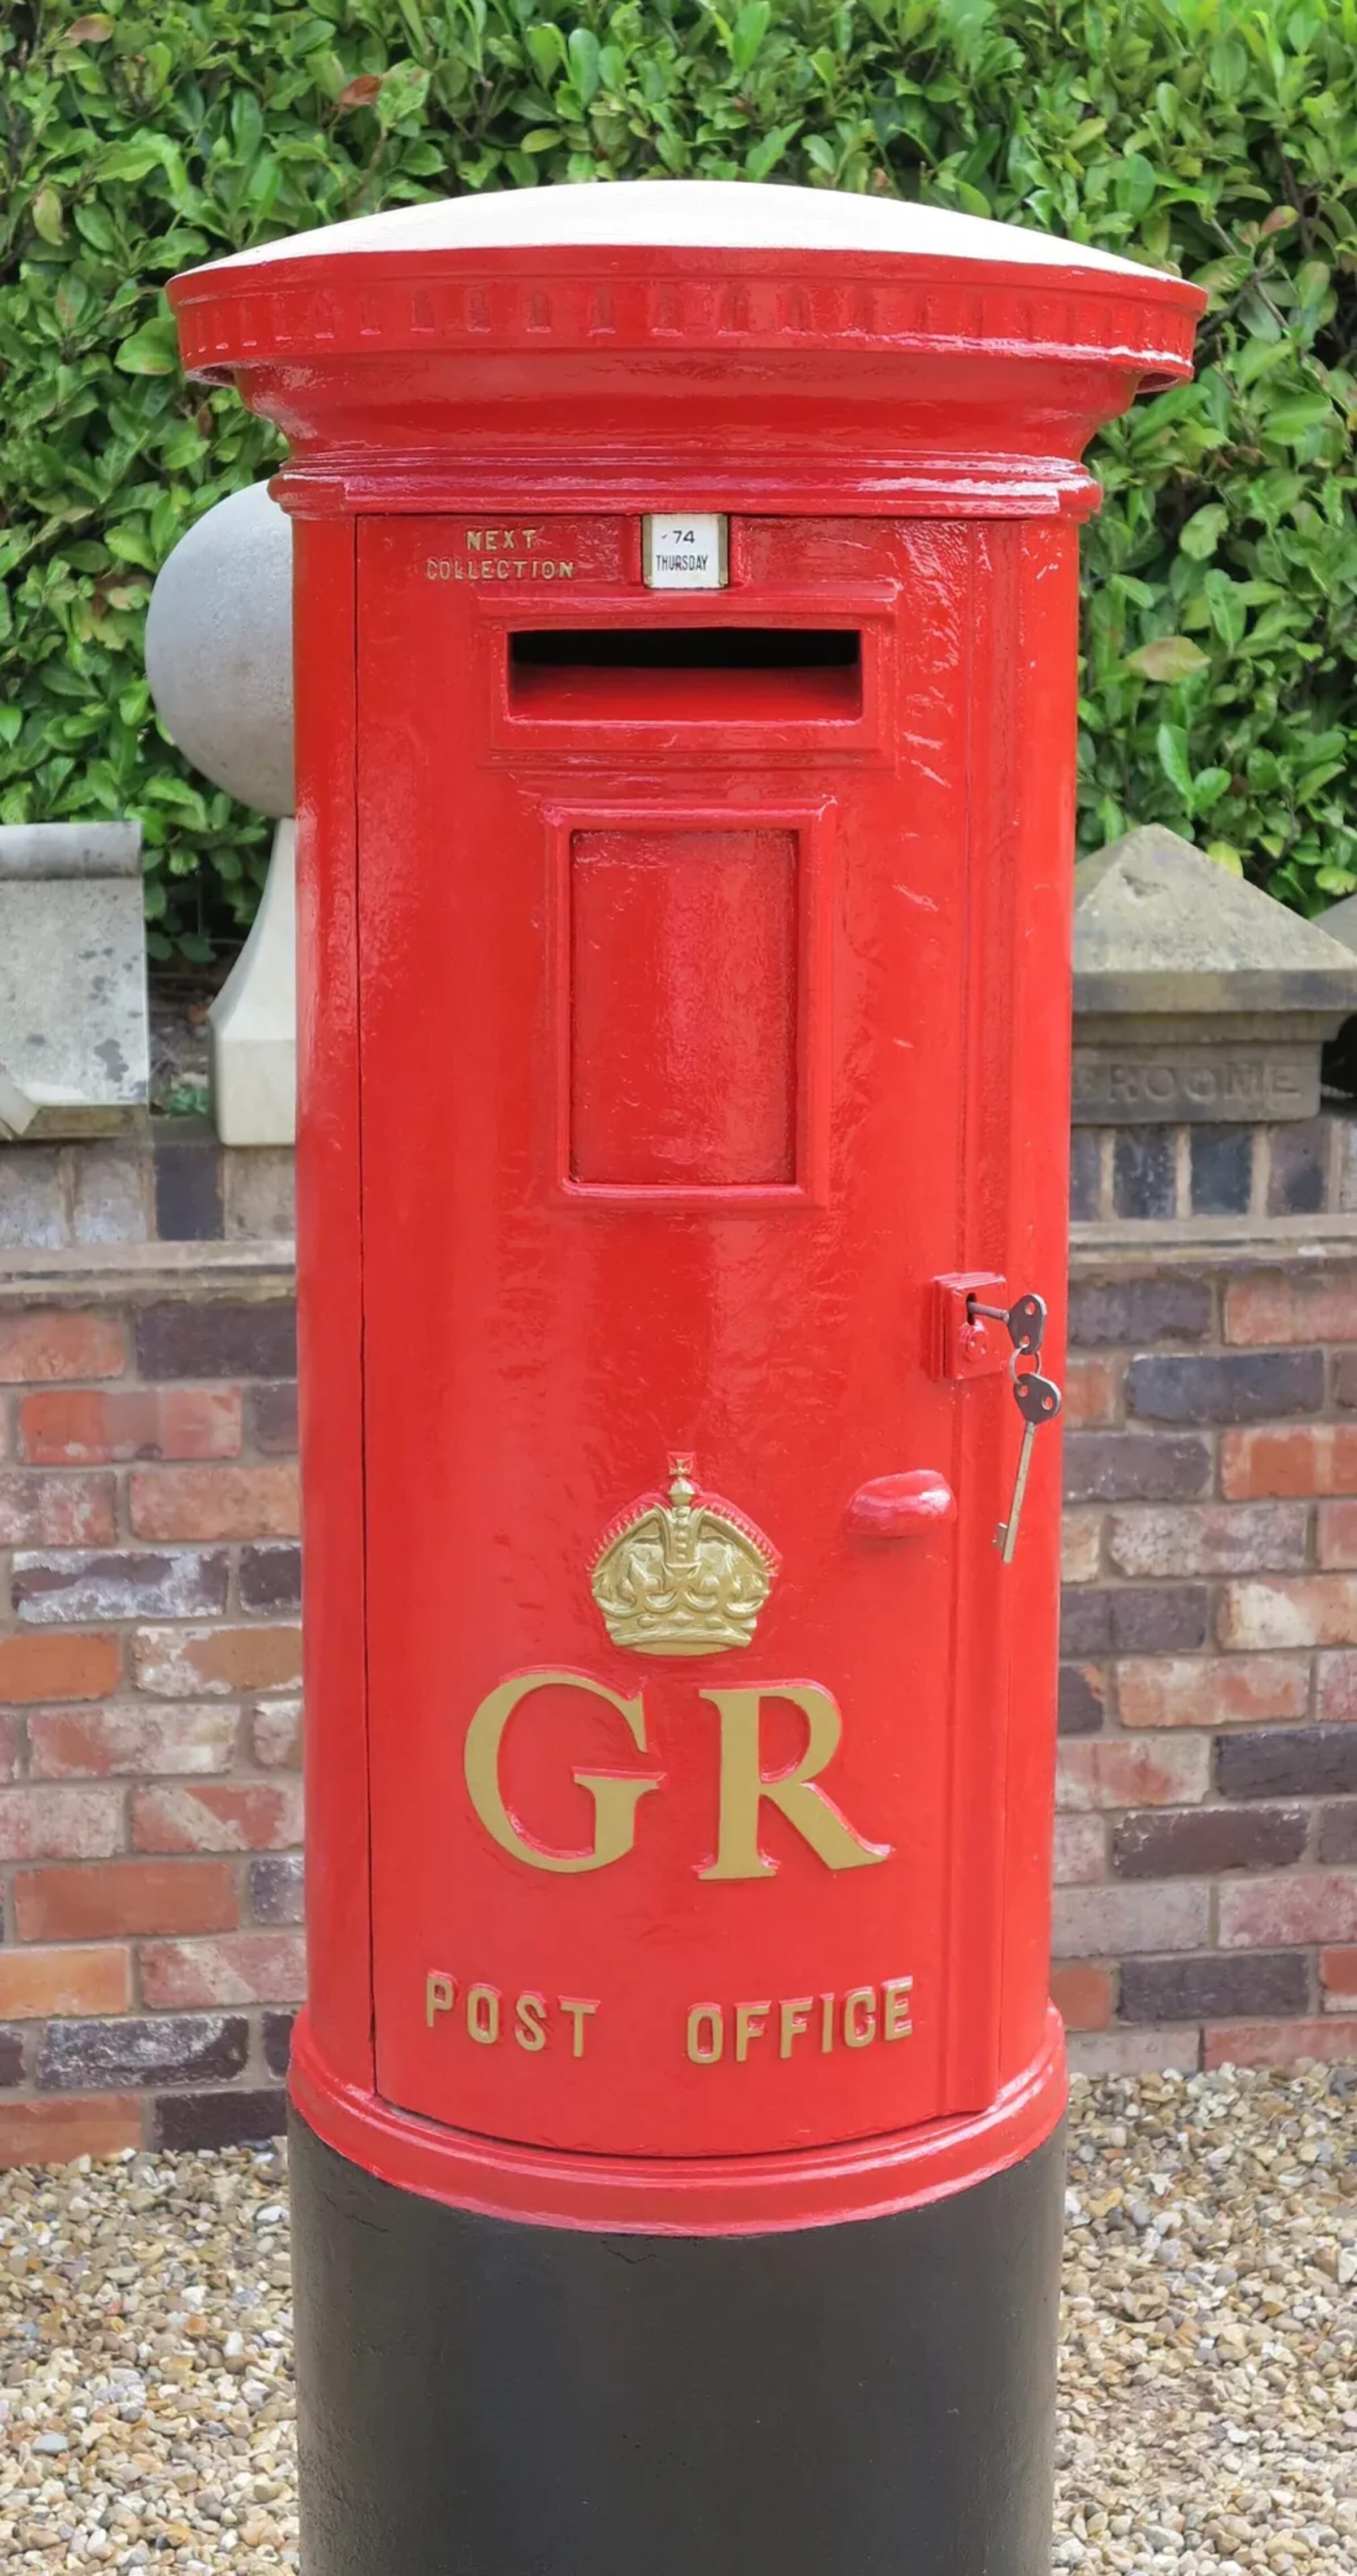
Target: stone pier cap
{"type": "Point", "coordinates": [74, 1041]}
{"type": "Point", "coordinates": [1196, 995]}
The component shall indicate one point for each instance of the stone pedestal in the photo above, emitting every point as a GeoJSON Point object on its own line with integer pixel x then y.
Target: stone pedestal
{"type": "Point", "coordinates": [254, 1017]}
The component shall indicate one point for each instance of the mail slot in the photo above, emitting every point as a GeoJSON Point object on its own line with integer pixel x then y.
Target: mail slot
{"type": "Point", "coordinates": [686, 588]}
{"type": "Point", "coordinates": [763, 675]}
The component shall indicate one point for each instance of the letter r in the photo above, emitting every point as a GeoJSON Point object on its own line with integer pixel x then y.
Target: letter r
{"type": "Point", "coordinates": [744, 1784]}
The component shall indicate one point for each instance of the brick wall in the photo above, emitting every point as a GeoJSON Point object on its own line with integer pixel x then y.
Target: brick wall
{"type": "Point", "coordinates": [1206, 1904]}
{"type": "Point", "coordinates": [1305, 1168]}
{"type": "Point", "coordinates": [150, 1722]}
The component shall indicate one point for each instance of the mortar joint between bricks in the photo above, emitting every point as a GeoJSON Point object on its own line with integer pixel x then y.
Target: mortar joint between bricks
{"type": "Point", "coordinates": [1260, 1187]}
{"type": "Point", "coordinates": [1106, 1172]}
{"type": "Point", "coordinates": [1182, 1172]}
{"type": "Point", "coordinates": [1333, 1174]}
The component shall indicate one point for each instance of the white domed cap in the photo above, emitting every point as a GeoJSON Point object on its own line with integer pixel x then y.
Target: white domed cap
{"type": "Point", "coordinates": [686, 214]}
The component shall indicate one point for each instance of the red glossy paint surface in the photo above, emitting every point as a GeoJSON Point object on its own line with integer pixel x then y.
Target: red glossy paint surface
{"type": "Point", "coordinates": [672, 1028]}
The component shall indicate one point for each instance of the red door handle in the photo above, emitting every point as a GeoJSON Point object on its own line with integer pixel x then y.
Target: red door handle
{"type": "Point", "coordinates": [905, 1506]}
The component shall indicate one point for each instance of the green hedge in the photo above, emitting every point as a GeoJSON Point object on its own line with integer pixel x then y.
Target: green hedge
{"type": "Point", "coordinates": [1218, 137]}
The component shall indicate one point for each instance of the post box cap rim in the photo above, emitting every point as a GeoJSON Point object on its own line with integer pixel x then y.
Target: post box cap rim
{"type": "Point", "coordinates": [719, 215]}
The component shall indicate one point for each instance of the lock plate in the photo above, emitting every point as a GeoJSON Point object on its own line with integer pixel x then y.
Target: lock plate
{"type": "Point", "coordinates": [966, 1345]}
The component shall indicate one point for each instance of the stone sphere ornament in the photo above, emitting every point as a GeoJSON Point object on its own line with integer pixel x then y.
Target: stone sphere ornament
{"type": "Point", "coordinates": [219, 648]}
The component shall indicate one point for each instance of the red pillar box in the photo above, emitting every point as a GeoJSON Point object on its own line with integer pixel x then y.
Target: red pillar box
{"type": "Point", "coordinates": [686, 589]}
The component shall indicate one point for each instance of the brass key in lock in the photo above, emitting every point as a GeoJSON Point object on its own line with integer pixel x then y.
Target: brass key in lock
{"type": "Point", "coordinates": [1038, 1400]}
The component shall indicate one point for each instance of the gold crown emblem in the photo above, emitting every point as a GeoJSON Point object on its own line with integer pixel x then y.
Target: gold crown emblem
{"type": "Point", "coordinates": [682, 1575]}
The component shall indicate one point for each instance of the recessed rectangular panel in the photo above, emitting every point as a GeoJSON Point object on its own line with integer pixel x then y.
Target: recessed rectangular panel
{"type": "Point", "coordinates": [683, 1008]}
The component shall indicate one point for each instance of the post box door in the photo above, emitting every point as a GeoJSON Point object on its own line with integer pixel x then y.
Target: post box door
{"type": "Point", "coordinates": [665, 961]}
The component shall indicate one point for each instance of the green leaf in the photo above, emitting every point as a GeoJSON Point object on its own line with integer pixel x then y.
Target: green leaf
{"type": "Point", "coordinates": [1201, 534]}
{"type": "Point", "coordinates": [748, 32]}
{"type": "Point", "coordinates": [546, 45]}
{"type": "Point", "coordinates": [151, 351]}
{"type": "Point", "coordinates": [763, 157]}
{"type": "Point", "coordinates": [1170, 743]}
{"type": "Point", "coordinates": [582, 48]}
{"type": "Point", "coordinates": [48, 217]}
{"type": "Point", "coordinates": [1227, 607]}
{"type": "Point", "coordinates": [130, 161]}
{"type": "Point", "coordinates": [1292, 421]}
{"type": "Point", "coordinates": [1260, 358]}
{"type": "Point", "coordinates": [183, 447]}
{"type": "Point", "coordinates": [1169, 657]}
{"type": "Point", "coordinates": [130, 545]}
{"type": "Point", "coordinates": [1135, 184]}
{"type": "Point", "coordinates": [71, 300]}
{"type": "Point", "coordinates": [247, 125]}
{"type": "Point", "coordinates": [93, 225]}
{"type": "Point", "coordinates": [403, 92]}
{"type": "Point", "coordinates": [1226, 856]}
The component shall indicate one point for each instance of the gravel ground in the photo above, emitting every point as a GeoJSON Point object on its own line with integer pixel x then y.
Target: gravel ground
{"type": "Point", "coordinates": [1209, 2357]}
{"type": "Point", "coordinates": [1209, 2370]}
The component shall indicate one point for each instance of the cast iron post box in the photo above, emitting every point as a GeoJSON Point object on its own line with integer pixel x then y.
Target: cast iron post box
{"type": "Point", "coordinates": [685, 636]}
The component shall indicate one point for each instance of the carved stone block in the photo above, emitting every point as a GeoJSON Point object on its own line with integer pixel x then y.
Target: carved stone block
{"type": "Point", "coordinates": [1116, 1084]}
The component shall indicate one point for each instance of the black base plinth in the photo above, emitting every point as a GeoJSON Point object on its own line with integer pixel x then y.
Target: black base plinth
{"type": "Point", "coordinates": [480, 2398]}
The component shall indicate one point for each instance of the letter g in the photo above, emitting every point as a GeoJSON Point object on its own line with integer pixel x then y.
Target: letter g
{"type": "Point", "coordinates": [616, 1797]}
